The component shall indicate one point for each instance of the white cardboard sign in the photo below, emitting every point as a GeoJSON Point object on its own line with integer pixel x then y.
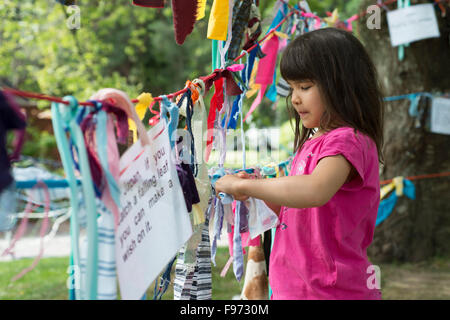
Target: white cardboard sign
{"type": "Point", "coordinates": [440, 116]}
{"type": "Point", "coordinates": [412, 23]}
{"type": "Point", "coordinates": [154, 222]}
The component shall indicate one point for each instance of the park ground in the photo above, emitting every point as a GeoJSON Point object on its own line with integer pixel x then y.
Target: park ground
{"type": "Point", "coordinates": [428, 280]}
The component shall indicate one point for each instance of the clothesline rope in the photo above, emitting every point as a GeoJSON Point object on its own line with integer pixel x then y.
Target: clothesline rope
{"type": "Point", "coordinates": [42, 96]}
{"type": "Point", "coordinates": [419, 177]}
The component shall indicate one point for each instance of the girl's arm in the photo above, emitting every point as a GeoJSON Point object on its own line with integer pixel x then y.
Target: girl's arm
{"type": "Point", "coordinates": [304, 191]}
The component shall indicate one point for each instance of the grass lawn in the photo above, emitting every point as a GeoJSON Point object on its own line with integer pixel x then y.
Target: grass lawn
{"type": "Point", "coordinates": [426, 280]}
{"type": "Point", "coordinates": [48, 280]}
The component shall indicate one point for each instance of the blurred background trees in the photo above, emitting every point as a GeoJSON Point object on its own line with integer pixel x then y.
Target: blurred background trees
{"type": "Point", "coordinates": [118, 45]}
{"type": "Point", "coordinates": [417, 229]}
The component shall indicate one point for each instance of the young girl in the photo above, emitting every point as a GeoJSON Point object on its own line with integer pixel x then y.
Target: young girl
{"type": "Point", "coordinates": [328, 204]}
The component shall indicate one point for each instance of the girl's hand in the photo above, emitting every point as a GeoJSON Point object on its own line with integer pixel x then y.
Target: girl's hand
{"type": "Point", "coordinates": [231, 184]}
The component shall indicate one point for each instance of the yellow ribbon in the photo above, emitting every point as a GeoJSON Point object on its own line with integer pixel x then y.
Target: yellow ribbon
{"type": "Point", "coordinates": [396, 183]}
{"type": "Point", "coordinates": [281, 35]}
{"type": "Point", "coordinates": [253, 88]}
{"type": "Point", "coordinates": [218, 20]}
{"type": "Point", "coordinates": [197, 214]}
{"type": "Point", "coordinates": [331, 21]}
{"type": "Point", "coordinates": [201, 7]}
{"type": "Point", "coordinates": [386, 189]}
{"type": "Point", "coordinates": [145, 99]}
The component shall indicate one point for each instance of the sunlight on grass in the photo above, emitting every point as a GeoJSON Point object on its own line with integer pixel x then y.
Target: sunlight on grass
{"type": "Point", "coordinates": [421, 281]}
{"type": "Point", "coordinates": [48, 280]}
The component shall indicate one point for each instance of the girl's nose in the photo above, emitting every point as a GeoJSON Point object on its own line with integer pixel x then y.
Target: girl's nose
{"type": "Point", "coordinates": [296, 100]}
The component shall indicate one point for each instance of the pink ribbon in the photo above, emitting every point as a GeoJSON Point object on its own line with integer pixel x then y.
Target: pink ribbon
{"type": "Point", "coordinates": [312, 15]}
{"type": "Point", "coordinates": [113, 165]}
{"type": "Point", "coordinates": [23, 226]}
{"type": "Point", "coordinates": [236, 67]}
{"type": "Point", "coordinates": [266, 69]}
{"type": "Point", "coordinates": [350, 20]}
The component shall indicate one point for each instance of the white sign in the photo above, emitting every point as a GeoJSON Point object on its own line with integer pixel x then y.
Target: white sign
{"type": "Point", "coordinates": [154, 222]}
{"type": "Point", "coordinates": [440, 116]}
{"type": "Point", "coordinates": [412, 24]}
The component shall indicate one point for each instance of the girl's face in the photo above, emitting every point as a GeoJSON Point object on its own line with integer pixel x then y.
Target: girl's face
{"type": "Point", "coordinates": [307, 101]}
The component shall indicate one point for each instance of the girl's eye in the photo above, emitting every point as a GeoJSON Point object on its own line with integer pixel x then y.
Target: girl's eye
{"type": "Point", "coordinates": [305, 88]}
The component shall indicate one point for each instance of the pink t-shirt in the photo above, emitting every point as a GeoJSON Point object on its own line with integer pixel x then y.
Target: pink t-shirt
{"type": "Point", "coordinates": [320, 253]}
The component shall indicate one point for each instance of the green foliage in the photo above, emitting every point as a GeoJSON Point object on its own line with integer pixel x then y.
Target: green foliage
{"type": "Point", "coordinates": [41, 144]}
{"type": "Point", "coordinates": [117, 45]}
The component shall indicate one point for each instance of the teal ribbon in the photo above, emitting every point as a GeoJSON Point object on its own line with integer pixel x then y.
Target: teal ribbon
{"type": "Point", "coordinates": [58, 120]}
{"type": "Point", "coordinates": [401, 48]}
{"type": "Point", "coordinates": [67, 114]}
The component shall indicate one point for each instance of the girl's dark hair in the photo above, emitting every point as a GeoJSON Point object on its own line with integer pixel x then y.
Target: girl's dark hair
{"type": "Point", "coordinates": [337, 62]}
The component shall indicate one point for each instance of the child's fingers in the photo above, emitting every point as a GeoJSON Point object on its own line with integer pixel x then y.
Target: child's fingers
{"type": "Point", "coordinates": [243, 175]}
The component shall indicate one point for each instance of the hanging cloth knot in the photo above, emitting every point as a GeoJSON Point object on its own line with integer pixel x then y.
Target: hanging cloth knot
{"type": "Point", "coordinates": [144, 101]}
{"type": "Point", "coordinates": [232, 89]}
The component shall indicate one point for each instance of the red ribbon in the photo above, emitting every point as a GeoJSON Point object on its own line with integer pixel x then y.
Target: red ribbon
{"type": "Point", "coordinates": [215, 106]}
{"type": "Point", "coordinates": [232, 88]}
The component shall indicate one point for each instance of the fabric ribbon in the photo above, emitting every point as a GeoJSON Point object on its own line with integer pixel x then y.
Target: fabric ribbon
{"type": "Point", "coordinates": [89, 198]}
{"type": "Point", "coordinates": [184, 18]}
{"type": "Point", "coordinates": [218, 223]}
{"type": "Point", "coordinates": [401, 48]}
{"type": "Point", "coordinates": [22, 228]}
{"type": "Point", "coordinates": [232, 89]}
{"type": "Point", "coordinates": [199, 129]}
{"type": "Point", "coordinates": [254, 29]}
{"type": "Point", "coordinates": [189, 111]}
{"type": "Point", "coordinates": [60, 121]}
{"type": "Point", "coordinates": [172, 109]}
{"type": "Point", "coordinates": [109, 159]}
{"type": "Point", "coordinates": [201, 8]}
{"type": "Point", "coordinates": [144, 100]}
{"type": "Point", "coordinates": [215, 106]}
{"type": "Point", "coordinates": [266, 69]}
{"type": "Point", "coordinates": [312, 15]}
{"type": "Point", "coordinates": [350, 20]}
{"type": "Point", "coordinates": [218, 20]}
{"type": "Point", "coordinates": [402, 186]}
{"type": "Point", "coordinates": [89, 125]}
{"type": "Point", "coordinates": [241, 14]}
{"type": "Point", "coordinates": [238, 257]}
{"type": "Point", "coordinates": [62, 113]}
{"type": "Point", "coordinates": [121, 100]}
{"type": "Point", "coordinates": [149, 3]}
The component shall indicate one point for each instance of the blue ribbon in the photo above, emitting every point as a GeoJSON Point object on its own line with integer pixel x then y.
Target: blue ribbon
{"type": "Point", "coordinates": [387, 205]}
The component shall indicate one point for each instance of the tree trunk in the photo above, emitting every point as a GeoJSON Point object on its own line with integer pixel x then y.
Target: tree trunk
{"type": "Point", "coordinates": [416, 229]}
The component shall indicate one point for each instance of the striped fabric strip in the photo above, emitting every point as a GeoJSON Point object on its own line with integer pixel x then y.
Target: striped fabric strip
{"type": "Point", "coordinates": [194, 282]}
{"type": "Point", "coordinates": [283, 88]}
{"type": "Point", "coordinates": [106, 273]}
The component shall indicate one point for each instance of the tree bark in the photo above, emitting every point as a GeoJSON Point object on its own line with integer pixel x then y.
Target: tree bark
{"type": "Point", "coordinates": [416, 229]}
